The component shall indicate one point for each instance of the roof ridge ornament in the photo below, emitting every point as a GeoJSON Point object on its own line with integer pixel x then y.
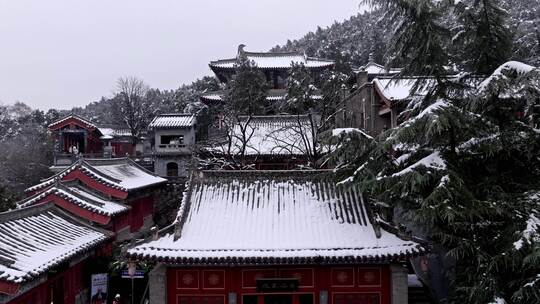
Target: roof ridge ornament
{"type": "Point", "coordinates": [241, 51]}
{"type": "Point", "coordinates": [371, 58]}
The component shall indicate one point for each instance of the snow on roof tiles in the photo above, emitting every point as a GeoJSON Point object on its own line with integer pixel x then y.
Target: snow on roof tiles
{"type": "Point", "coordinates": [273, 135]}
{"type": "Point", "coordinates": [275, 61]}
{"type": "Point", "coordinates": [109, 133]}
{"type": "Point", "coordinates": [172, 121]}
{"type": "Point", "coordinates": [120, 173]}
{"type": "Point", "coordinates": [80, 197]}
{"type": "Point", "coordinates": [74, 116]}
{"type": "Point", "coordinates": [277, 216]}
{"type": "Point", "coordinates": [373, 68]}
{"type": "Point", "coordinates": [273, 95]}
{"type": "Point", "coordinates": [37, 238]}
{"type": "Point", "coordinates": [399, 88]}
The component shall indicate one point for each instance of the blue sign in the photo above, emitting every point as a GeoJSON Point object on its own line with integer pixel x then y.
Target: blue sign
{"type": "Point", "coordinates": [139, 274]}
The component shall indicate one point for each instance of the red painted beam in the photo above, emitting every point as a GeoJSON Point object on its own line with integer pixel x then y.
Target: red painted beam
{"type": "Point", "coordinates": [75, 209]}
{"type": "Point", "coordinates": [77, 174]}
{"type": "Point", "coordinates": [9, 287]}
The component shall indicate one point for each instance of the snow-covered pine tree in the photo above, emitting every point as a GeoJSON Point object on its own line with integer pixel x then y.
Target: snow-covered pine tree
{"type": "Point", "coordinates": [419, 37]}
{"type": "Point", "coordinates": [525, 24]}
{"type": "Point", "coordinates": [300, 91]}
{"type": "Point", "coordinates": [463, 167]}
{"type": "Point", "coordinates": [7, 199]}
{"type": "Point", "coordinates": [483, 35]}
{"type": "Point", "coordinates": [246, 91]}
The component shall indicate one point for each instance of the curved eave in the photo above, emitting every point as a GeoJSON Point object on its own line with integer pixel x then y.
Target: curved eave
{"type": "Point", "coordinates": [389, 100]}
{"type": "Point", "coordinates": [217, 68]}
{"type": "Point", "coordinates": [246, 261]}
{"type": "Point", "coordinates": [86, 248]}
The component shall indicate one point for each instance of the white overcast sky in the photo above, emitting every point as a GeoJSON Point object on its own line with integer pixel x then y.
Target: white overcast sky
{"type": "Point", "coordinates": [69, 53]}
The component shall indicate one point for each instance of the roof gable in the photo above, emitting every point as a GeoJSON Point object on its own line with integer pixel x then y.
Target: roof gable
{"type": "Point", "coordinates": [78, 196]}
{"type": "Point", "coordinates": [282, 216]}
{"type": "Point", "coordinates": [71, 119]}
{"type": "Point", "coordinates": [121, 174]}
{"type": "Point", "coordinates": [373, 68]}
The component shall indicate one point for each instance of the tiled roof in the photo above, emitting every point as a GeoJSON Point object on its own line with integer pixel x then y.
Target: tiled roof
{"type": "Point", "coordinates": [401, 88]}
{"type": "Point", "coordinates": [273, 95]}
{"type": "Point", "coordinates": [252, 217]}
{"type": "Point", "coordinates": [109, 133]}
{"type": "Point", "coordinates": [34, 239]}
{"type": "Point", "coordinates": [74, 116]}
{"type": "Point", "coordinates": [275, 61]}
{"type": "Point", "coordinates": [396, 88]}
{"type": "Point", "coordinates": [273, 135]}
{"type": "Point", "coordinates": [79, 196]}
{"type": "Point", "coordinates": [119, 173]}
{"type": "Point", "coordinates": [373, 68]}
{"type": "Point", "coordinates": [165, 121]}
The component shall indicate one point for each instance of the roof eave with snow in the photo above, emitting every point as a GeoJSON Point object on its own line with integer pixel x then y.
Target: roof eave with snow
{"type": "Point", "coordinates": [236, 214]}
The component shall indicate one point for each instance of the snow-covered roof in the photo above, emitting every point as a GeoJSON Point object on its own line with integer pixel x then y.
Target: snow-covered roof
{"type": "Point", "coordinates": [273, 217]}
{"type": "Point", "coordinates": [401, 88]}
{"type": "Point", "coordinates": [394, 89]}
{"type": "Point", "coordinates": [273, 95]}
{"type": "Point", "coordinates": [119, 173]}
{"type": "Point", "coordinates": [34, 239]}
{"type": "Point", "coordinates": [110, 133]}
{"type": "Point", "coordinates": [83, 121]}
{"type": "Point", "coordinates": [177, 120]}
{"type": "Point", "coordinates": [274, 60]}
{"type": "Point", "coordinates": [79, 196]}
{"type": "Point", "coordinates": [373, 68]}
{"type": "Point", "coordinates": [273, 135]}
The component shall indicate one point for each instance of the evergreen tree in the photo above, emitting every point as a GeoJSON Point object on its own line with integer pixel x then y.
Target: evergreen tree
{"type": "Point", "coordinates": [465, 169]}
{"type": "Point", "coordinates": [483, 36]}
{"type": "Point", "coordinates": [7, 199]}
{"type": "Point", "coordinates": [246, 91]}
{"type": "Point", "coordinates": [334, 89]}
{"type": "Point", "coordinates": [419, 38]}
{"type": "Point", "coordinates": [300, 91]}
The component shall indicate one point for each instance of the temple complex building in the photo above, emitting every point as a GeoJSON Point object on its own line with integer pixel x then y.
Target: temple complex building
{"type": "Point", "coordinates": [270, 142]}
{"type": "Point", "coordinates": [172, 140]}
{"type": "Point", "coordinates": [116, 194]}
{"type": "Point", "coordinates": [48, 255]}
{"type": "Point", "coordinates": [75, 137]}
{"type": "Point", "coordinates": [274, 65]}
{"type": "Point", "coordinates": [276, 237]}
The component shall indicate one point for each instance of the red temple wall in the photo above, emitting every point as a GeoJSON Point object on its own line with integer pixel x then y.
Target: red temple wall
{"type": "Point", "coordinates": [140, 208]}
{"type": "Point", "coordinates": [75, 209]}
{"type": "Point", "coordinates": [70, 281]}
{"type": "Point", "coordinates": [120, 149]}
{"type": "Point", "coordinates": [345, 284]}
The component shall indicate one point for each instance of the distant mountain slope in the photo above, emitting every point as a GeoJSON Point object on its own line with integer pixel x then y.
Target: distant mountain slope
{"type": "Point", "coordinates": [355, 39]}
{"type": "Point", "coordinates": [369, 32]}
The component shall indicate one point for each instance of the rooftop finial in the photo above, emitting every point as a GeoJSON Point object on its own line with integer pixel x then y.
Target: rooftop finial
{"type": "Point", "coordinates": [241, 49]}
{"type": "Point", "coordinates": [371, 57]}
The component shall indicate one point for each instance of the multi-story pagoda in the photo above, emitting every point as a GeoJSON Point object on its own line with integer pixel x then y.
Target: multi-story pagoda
{"type": "Point", "coordinates": [274, 65]}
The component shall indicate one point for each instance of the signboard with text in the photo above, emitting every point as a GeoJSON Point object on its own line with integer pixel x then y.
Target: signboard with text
{"type": "Point", "coordinates": [264, 285]}
{"type": "Point", "coordinates": [98, 291]}
{"type": "Point", "coordinates": [139, 274]}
